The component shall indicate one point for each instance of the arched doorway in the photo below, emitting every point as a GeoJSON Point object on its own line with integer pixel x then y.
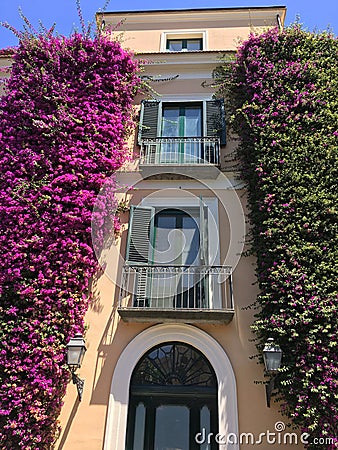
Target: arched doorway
{"type": "Point", "coordinates": [173, 396]}
{"type": "Point", "coordinates": [116, 426]}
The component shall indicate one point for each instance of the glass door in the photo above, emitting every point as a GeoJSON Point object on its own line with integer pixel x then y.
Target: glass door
{"type": "Point", "coordinates": [177, 242]}
{"type": "Point", "coordinates": [158, 422]}
{"type": "Point", "coordinates": [179, 123]}
{"type": "Point", "coordinates": [172, 427]}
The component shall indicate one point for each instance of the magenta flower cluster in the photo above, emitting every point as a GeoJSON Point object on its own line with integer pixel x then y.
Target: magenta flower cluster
{"type": "Point", "coordinates": [63, 125]}
{"type": "Point", "coordinates": [283, 100]}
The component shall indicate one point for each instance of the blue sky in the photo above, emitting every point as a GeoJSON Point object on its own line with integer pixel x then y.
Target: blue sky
{"type": "Point", "coordinates": [313, 14]}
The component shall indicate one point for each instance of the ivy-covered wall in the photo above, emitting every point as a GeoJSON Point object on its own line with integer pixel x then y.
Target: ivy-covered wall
{"type": "Point", "coordinates": [282, 92]}
{"type": "Point", "coordinates": [63, 126]}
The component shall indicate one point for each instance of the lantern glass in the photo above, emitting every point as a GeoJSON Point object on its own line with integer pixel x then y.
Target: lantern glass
{"type": "Point", "coordinates": [76, 349]}
{"type": "Point", "coordinates": [272, 355]}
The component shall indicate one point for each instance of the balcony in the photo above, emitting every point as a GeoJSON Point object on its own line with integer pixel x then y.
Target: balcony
{"type": "Point", "coordinates": [189, 294]}
{"type": "Point", "coordinates": [187, 156]}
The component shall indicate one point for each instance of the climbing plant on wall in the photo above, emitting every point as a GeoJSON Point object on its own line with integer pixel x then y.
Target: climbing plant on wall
{"type": "Point", "coordinates": [282, 100]}
{"type": "Point", "coordinates": [63, 125]}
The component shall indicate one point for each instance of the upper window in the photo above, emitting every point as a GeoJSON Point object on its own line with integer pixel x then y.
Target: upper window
{"type": "Point", "coordinates": [170, 253]}
{"type": "Point", "coordinates": [183, 41]}
{"type": "Point", "coordinates": [189, 119]}
{"type": "Point", "coordinates": [181, 120]}
{"type": "Point", "coordinates": [184, 45]}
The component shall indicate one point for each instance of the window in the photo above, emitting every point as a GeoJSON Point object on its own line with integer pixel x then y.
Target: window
{"type": "Point", "coordinates": [173, 396]}
{"type": "Point", "coordinates": [181, 121]}
{"type": "Point", "coordinates": [173, 259]}
{"type": "Point", "coordinates": [184, 45]}
{"type": "Point", "coordinates": [177, 238]}
{"type": "Point", "coordinates": [184, 40]}
{"type": "Point", "coordinates": [185, 119]}
{"type": "Point", "coordinates": [168, 236]}
{"type": "Point", "coordinates": [173, 246]}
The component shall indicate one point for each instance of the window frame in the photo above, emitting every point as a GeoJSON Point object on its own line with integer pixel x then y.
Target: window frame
{"type": "Point", "coordinates": [182, 107]}
{"type": "Point", "coordinates": [184, 44]}
{"type": "Point", "coordinates": [183, 34]}
{"type": "Point", "coordinates": [212, 256]}
{"type": "Point", "coordinates": [157, 105]}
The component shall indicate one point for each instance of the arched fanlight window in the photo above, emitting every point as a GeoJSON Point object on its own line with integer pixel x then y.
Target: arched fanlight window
{"type": "Point", "coordinates": [174, 364]}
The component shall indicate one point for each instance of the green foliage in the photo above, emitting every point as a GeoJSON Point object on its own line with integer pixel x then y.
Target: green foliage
{"type": "Point", "coordinates": [282, 93]}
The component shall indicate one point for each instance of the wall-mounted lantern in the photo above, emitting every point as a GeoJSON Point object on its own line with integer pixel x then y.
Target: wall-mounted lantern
{"type": "Point", "coordinates": [272, 356]}
{"type": "Point", "coordinates": [76, 348]}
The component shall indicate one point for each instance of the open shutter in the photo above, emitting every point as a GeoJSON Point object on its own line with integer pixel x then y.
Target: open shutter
{"type": "Point", "coordinates": [140, 238]}
{"type": "Point", "coordinates": [140, 234]}
{"type": "Point", "coordinates": [215, 117]}
{"type": "Point", "coordinates": [148, 120]}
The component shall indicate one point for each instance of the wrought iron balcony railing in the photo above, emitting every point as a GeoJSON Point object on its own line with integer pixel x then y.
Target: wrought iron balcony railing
{"type": "Point", "coordinates": [178, 289]}
{"type": "Point", "coordinates": [180, 151]}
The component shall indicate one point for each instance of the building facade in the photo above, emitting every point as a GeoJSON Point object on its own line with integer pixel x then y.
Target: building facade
{"type": "Point", "coordinates": [168, 363]}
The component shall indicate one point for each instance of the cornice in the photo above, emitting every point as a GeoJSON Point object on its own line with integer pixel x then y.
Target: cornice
{"type": "Point", "coordinates": [130, 18]}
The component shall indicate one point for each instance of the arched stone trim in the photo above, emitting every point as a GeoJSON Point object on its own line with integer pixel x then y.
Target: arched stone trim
{"type": "Point", "coordinates": [119, 393]}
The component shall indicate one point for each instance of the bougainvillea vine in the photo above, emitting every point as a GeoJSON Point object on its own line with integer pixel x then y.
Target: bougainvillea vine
{"type": "Point", "coordinates": [282, 92]}
{"type": "Point", "coordinates": [64, 121]}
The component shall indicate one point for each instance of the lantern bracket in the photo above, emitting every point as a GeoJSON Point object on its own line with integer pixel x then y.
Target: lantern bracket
{"type": "Point", "coordinates": [79, 383]}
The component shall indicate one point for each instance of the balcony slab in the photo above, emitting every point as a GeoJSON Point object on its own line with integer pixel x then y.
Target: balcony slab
{"type": "Point", "coordinates": [195, 171]}
{"type": "Point", "coordinates": [178, 315]}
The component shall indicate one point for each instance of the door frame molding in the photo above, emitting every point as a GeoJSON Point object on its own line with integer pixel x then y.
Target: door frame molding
{"type": "Point", "coordinates": [116, 424]}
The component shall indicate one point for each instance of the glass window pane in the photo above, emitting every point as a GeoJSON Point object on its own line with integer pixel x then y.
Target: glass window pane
{"type": "Point", "coordinates": [177, 238]}
{"type": "Point", "coordinates": [194, 44]}
{"type": "Point", "coordinates": [169, 151]}
{"type": "Point", "coordinates": [175, 45]}
{"type": "Point", "coordinates": [173, 359]}
{"type": "Point", "coordinates": [193, 128]}
{"type": "Point", "coordinates": [170, 121]}
{"type": "Point", "coordinates": [140, 420]}
{"type": "Point", "coordinates": [177, 242]}
{"type": "Point", "coordinates": [193, 121]}
{"type": "Point", "coordinates": [205, 426]}
{"type": "Point", "coordinates": [190, 250]}
{"type": "Point", "coordinates": [168, 240]}
{"type": "Point", "coordinates": [172, 428]}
